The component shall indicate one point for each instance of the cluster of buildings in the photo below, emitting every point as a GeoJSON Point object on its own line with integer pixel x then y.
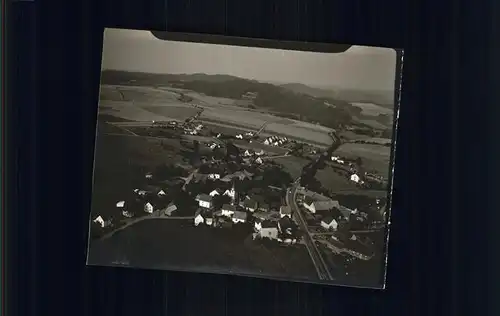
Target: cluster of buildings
{"type": "Point", "coordinates": [267, 223]}
{"type": "Point", "coordinates": [275, 141]}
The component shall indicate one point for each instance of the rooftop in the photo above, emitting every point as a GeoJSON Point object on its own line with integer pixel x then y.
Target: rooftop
{"type": "Point", "coordinates": [240, 215]}
{"type": "Point", "coordinates": [229, 207]}
{"type": "Point", "coordinates": [204, 197]}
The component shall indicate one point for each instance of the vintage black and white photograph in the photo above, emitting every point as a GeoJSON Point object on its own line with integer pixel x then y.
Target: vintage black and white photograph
{"type": "Point", "coordinates": [242, 160]}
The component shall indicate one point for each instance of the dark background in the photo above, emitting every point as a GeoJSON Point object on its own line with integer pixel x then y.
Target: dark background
{"type": "Point", "coordinates": [446, 162]}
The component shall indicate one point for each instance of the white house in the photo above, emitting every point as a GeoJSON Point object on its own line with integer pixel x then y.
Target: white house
{"type": "Point", "coordinates": [204, 200]}
{"type": "Point", "coordinates": [239, 136]}
{"type": "Point", "coordinates": [268, 230]}
{"type": "Point", "coordinates": [259, 160]}
{"type": "Point", "coordinates": [198, 219]}
{"type": "Point", "coordinates": [161, 193]}
{"type": "Point", "coordinates": [260, 153]}
{"type": "Point", "coordinates": [329, 223]}
{"type": "Point", "coordinates": [247, 153]}
{"type": "Point", "coordinates": [214, 176]}
{"type": "Point", "coordinates": [228, 210]}
{"type": "Point", "coordinates": [285, 211]}
{"type": "Point", "coordinates": [355, 178]}
{"type": "Point", "coordinates": [214, 193]}
{"type": "Point", "coordinates": [209, 220]}
{"type": "Point", "coordinates": [148, 207]}
{"type": "Point", "coordinates": [239, 217]}
{"type": "Point", "coordinates": [267, 142]}
{"type": "Point", "coordinates": [120, 204]}
{"type": "Point", "coordinates": [314, 206]}
{"type": "Point", "coordinates": [99, 220]}
{"type": "Point", "coordinates": [257, 226]}
{"type": "Point", "coordinates": [230, 192]}
{"type": "Point", "coordinates": [149, 176]}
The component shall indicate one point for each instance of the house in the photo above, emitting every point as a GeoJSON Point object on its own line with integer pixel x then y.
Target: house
{"type": "Point", "coordinates": [239, 217]}
{"type": "Point", "coordinates": [148, 207]}
{"type": "Point", "coordinates": [214, 193]}
{"type": "Point", "coordinates": [228, 210]}
{"type": "Point", "coordinates": [249, 205]}
{"type": "Point", "coordinates": [171, 208]}
{"type": "Point", "coordinates": [355, 178]}
{"type": "Point", "coordinates": [285, 225]}
{"type": "Point", "coordinates": [268, 230]}
{"type": "Point", "coordinates": [214, 176]}
{"type": "Point", "coordinates": [313, 205]}
{"type": "Point", "coordinates": [99, 220]}
{"type": "Point", "coordinates": [329, 223]}
{"type": "Point", "coordinates": [198, 218]}
{"type": "Point", "coordinates": [204, 200]}
{"type": "Point", "coordinates": [209, 220]}
{"type": "Point", "coordinates": [239, 136]}
{"type": "Point", "coordinates": [267, 142]}
{"type": "Point", "coordinates": [257, 226]}
{"type": "Point", "coordinates": [120, 204]}
{"type": "Point", "coordinates": [259, 160]}
{"type": "Point", "coordinates": [247, 153]}
{"type": "Point", "coordinates": [149, 176]}
{"type": "Point", "coordinates": [260, 153]}
{"type": "Point", "coordinates": [161, 193]}
{"type": "Point", "coordinates": [285, 210]}
{"type": "Point", "coordinates": [230, 192]}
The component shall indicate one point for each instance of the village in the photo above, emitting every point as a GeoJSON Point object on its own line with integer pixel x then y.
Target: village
{"type": "Point", "coordinates": [230, 180]}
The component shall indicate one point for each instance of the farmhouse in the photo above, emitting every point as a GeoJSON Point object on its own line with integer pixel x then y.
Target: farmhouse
{"type": "Point", "coordinates": [329, 223]}
{"type": "Point", "coordinates": [268, 230]}
{"type": "Point", "coordinates": [120, 204]}
{"type": "Point", "coordinates": [148, 207]}
{"type": "Point", "coordinates": [204, 200]}
{"type": "Point", "coordinates": [313, 206]}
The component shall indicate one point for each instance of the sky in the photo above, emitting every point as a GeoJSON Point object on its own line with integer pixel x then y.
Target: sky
{"type": "Point", "coordinates": [360, 67]}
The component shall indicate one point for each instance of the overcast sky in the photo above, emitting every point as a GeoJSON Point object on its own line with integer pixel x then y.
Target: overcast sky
{"type": "Point", "coordinates": [360, 67]}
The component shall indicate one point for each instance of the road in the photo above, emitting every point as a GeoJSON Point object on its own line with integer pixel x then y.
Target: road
{"type": "Point", "coordinates": [316, 257]}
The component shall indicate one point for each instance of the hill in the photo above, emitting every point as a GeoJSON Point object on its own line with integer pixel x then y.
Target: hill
{"type": "Point", "coordinates": [269, 97]}
{"type": "Point", "coordinates": [382, 98]}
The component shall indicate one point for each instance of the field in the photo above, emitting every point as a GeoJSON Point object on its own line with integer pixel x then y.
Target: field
{"type": "Point", "coordinates": [122, 160]}
{"type": "Point", "coordinates": [149, 103]}
{"type": "Point", "coordinates": [372, 109]}
{"type": "Point", "coordinates": [293, 165]}
{"type": "Point", "coordinates": [375, 157]}
{"type": "Point", "coordinates": [333, 181]}
{"type": "Point", "coordinates": [178, 245]}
